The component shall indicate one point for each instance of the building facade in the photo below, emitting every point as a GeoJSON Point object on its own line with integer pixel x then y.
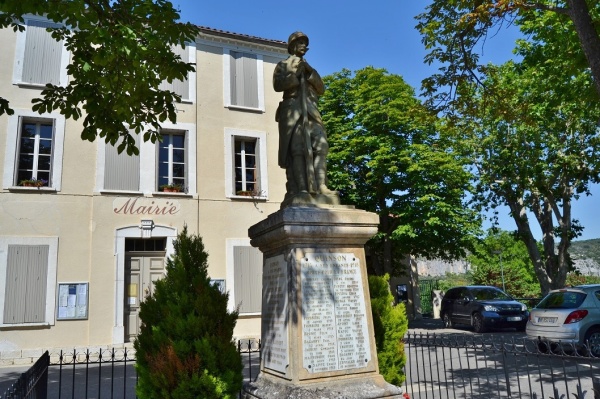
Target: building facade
{"type": "Point", "coordinates": [81, 248]}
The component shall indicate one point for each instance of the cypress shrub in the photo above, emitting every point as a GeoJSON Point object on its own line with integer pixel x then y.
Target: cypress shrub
{"type": "Point", "coordinates": [390, 325]}
{"type": "Point", "coordinates": [185, 348]}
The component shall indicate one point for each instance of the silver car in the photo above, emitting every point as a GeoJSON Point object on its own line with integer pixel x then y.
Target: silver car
{"type": "Point", "coordinates": [568, 316]}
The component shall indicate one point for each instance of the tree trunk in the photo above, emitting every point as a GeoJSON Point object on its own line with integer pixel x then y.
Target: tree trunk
{"type": "Point", "coordinates": [519, 214]}
{"type": "Point", "coordinates": [579, 13]}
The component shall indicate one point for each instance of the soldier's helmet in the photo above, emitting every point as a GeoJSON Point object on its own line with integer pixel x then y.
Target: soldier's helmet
{"type": "Point", "coordinates": [293, 37]}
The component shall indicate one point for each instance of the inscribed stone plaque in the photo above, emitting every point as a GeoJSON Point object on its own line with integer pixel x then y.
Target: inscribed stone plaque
{"type": "Point", "coordinates": [334, 323]}
{"type": "Point", "coordinates": [274, 311]}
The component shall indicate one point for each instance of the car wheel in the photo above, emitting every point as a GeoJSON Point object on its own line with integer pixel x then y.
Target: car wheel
{"type": "Point", "coordinates": [447, 320]}
{"type": "Point", "coordinates": [478, 324]}
{"type": "Point", "coordinates": [592, 340]}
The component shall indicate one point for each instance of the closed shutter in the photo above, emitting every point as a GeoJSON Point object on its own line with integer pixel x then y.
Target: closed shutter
{"type": "Point", "coordinates": [41, 63]}
{"type": "Point", "coordinates": [248, 278]}
{"type": "Point", "coordinates": [26, 283]}
{"type": "Point", "coordinates": [179, 87]}
{"type": "Point", "coordinates": [121, 171]}
{"type": "Point", "coordinates": [244, 80]}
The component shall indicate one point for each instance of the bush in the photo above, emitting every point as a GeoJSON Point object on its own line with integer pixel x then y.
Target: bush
{"type": "Point", "coordinates": [185, 347]}
{"type": "Point", "coordinates": [390, 325]}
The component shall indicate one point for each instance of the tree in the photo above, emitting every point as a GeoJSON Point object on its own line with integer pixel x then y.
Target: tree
{"type": "Point", "coordinates": [185, 348]}
{"type": "Point", "coordinates": [455, 33]}
{"type": "Point", "coordinates": [390, 324]}
{"type": "Point", "coordinates": [500, 259]}
{"type": "Point", "coordinates": [385, 157]}
{"type": "Point", "coordinates": [532, 147]}
{"type": "Point", "coordinates": [120, 54]}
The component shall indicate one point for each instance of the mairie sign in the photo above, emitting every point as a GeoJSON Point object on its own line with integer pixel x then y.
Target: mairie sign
{"type": "Point", "coordinates": [145, 206]}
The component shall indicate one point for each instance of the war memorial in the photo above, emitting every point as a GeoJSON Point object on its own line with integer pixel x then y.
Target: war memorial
{"type": "Point", "coordinates": [317, 327]}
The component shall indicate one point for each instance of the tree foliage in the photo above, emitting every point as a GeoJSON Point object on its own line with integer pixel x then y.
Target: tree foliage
{"type": "Point", "coordinates": [390, 325]}
{"type": "Point", "coordinates": [500, 259]}
{"type": "Point", "coordinates": [120, 54]}
{"type": "Point", "coordinates": [385, 157]}
{"type": "Point", "coordinates": [528, 128]}
{"type": "Point", "coordinates": [185, 348]}
{"type": "Point", "coordinates": [455, 33]}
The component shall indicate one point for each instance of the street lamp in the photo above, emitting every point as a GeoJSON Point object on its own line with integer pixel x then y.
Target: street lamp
{"type": "Point", "coordinates": [501, 269]}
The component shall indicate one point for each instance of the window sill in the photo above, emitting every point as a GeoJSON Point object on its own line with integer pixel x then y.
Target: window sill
{"type": "Point", "coordinates": [121, 192]}
{"type": "Point", "coordinates": [28, 85]}
{"type": "Point", "coordinates": [248, 109]}
{"type": "Point", "coordinates": [248, 198]}
{"type": "Point", "coordinates": [32, 189]}
{"type": "Point", "coordinates": [163, 194]}
{"type": "Point", "coordinates": [25, 325]}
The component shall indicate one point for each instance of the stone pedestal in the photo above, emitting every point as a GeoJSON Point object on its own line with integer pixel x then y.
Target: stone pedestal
{"type": "Point", "coordinates": [317, 327]}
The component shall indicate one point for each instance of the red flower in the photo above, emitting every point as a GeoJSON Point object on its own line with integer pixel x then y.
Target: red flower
{"type": "Point", "coordinates": [405, 395]}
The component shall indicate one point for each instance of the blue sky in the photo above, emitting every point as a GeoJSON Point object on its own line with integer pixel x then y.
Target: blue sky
{"type": "Point", "coordinates": [354, 34]}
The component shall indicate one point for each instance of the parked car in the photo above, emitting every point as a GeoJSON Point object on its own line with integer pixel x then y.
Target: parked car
{"type": "Point", "coordinates": [482, 307]}
{"type": "Point", "coordinates": [568, 316]}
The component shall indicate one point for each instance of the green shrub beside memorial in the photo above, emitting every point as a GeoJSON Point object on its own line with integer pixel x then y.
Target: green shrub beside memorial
{"type": "Point", "coordinates": [185, 348]}
{"type": "Point", "coordinates": [390, 325]}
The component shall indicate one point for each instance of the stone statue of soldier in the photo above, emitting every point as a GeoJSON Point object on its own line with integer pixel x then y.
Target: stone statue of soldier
{"type": "Point", "coordinates": [303, 144]}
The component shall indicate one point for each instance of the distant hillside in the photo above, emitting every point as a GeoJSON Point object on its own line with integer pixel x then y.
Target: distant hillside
{"type": "Point", "coordinates": [585, 254]}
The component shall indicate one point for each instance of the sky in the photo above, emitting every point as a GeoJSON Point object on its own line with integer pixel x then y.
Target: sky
{"type": "Point", "coordinates": [353, 34]}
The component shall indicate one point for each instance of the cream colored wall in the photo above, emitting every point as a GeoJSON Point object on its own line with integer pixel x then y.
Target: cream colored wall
{"type": "Point", "coordinates": [86, 223]}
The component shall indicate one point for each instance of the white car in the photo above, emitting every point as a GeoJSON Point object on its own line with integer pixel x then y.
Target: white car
{"type": "Point", "coordinates": [568, 316]}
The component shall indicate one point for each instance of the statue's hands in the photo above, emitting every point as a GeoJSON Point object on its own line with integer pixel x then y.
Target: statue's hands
{"type": "Point", "coordinates": [302, 67]}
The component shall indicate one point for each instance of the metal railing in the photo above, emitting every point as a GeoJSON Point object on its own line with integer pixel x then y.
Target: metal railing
{"type": "Point", "coordinates": [100, 373]}
{"type": "Point", "coordinates": [32, 383]}
{"type": "Point", "coordinates": [452, 366]}
{"type": "Point", "coordinates": [444, 366]}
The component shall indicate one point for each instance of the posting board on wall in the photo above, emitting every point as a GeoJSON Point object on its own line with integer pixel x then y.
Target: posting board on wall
{"type": "Point", "coordinates": [72, 301]}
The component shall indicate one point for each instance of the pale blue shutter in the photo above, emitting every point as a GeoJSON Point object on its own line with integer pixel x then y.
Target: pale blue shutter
{"type": "Point", "coordinates": [179, 87]}
{"type": "Point", "coordinates": [41, 63]}
{"type": "Point", "coordinates": [244, 79]}
{"type": "Point", "coordinates": [121, 171]}
{"type": "Point", "coordinates": [248, 278]}
{"type": "Point", "coordinates": [26, 282]}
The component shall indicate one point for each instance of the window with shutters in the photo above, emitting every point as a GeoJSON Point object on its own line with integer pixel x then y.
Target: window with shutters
{"type": "Point", "coordinates": [244, 83]}
{"type": "Point", "coordinates": [34, 151]}
{"type": "Point", "coordinates": [246, 160]}
{"type": "Point", "coordinates": [28, 280]}
{"type": "Point", "coordinates": [247, 263]}
{"type": "Point", "coordinates": [40, 59]}
{"type": "Point", "coordinates": [167, 162]}
{"type": "Point", "coordinates": [186, 88]}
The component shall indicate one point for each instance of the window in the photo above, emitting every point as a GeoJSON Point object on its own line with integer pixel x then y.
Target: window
{"type": "Point", "coordinates": [244, 85]}
{"type": "Point", "coordinates": [39, 58]}
{"type": "Point", "coordinates": [158, 164]}
{"type": "Point", "coordinates": [29, 264]}
{"type": "Point", "coordinates": [247, 263]}
{"type": "Point", "coordinates": [246, 167]}
{"type": "Point", "coordinates": [246, 159]}
{"type": "Point", "coordinates": [35, 152]}
{"type": "Point", "coordinates": [172, 160]}
{"type": "Point", "coordinates": [34, 149]}
{"type": "Point", "coordinates": [186, 89]}
{"type": "Point", "coordinates": [122, 171]}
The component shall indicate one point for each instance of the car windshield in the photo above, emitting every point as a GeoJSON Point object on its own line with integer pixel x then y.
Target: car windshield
{"type": "Point", "coordinates": [486, 294]}
{"type": "Point", "coordinates": [562, 300]}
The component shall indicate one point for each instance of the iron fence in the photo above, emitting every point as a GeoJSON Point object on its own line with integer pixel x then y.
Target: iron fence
{"type": "Point", "coordinates": [32, 383]}
{"type": "Point", "coordinates": [452, 366]}
{"type": "Point", "coordinates": [99, 373]}
{"type": "Point", "coordinates": [443, 366]}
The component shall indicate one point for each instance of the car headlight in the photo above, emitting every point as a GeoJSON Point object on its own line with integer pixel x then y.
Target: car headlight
{"type": "Point", "coordinates": [523, 308]}
{"type": "Point", "coordinates": [490, 308]}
